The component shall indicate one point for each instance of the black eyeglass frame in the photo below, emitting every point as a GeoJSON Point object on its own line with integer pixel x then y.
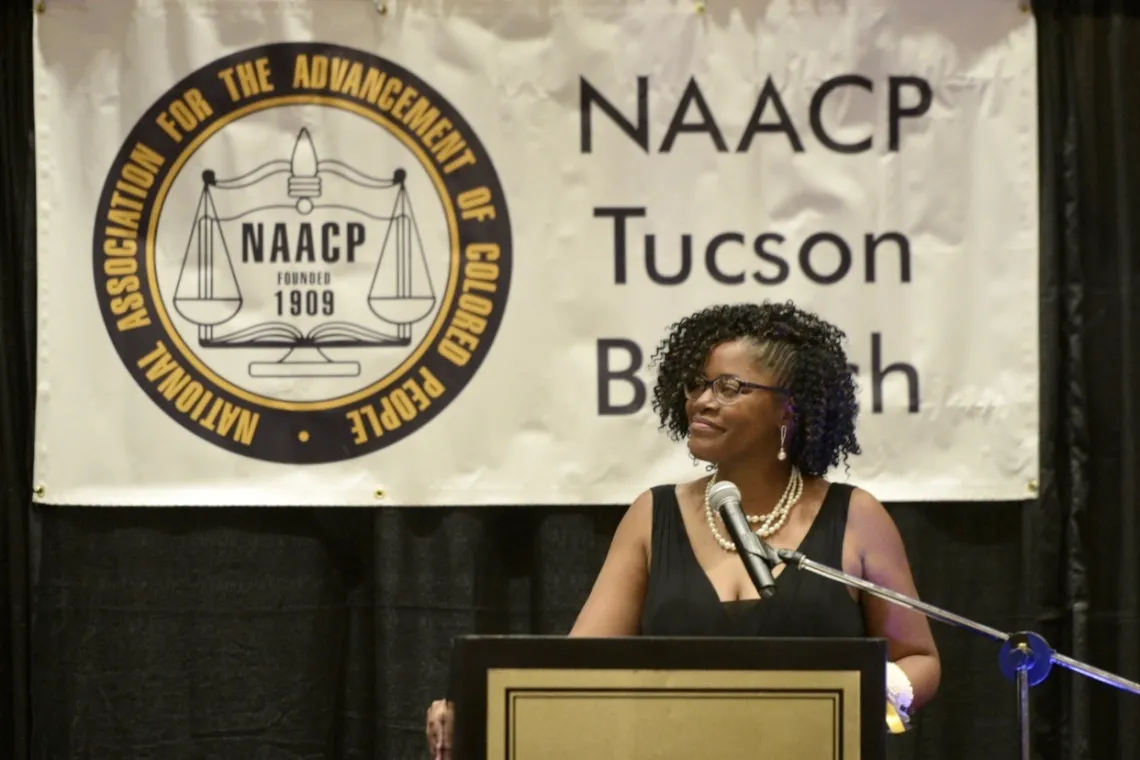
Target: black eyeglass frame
{"type": "Point", "coordinates": [698, 386]}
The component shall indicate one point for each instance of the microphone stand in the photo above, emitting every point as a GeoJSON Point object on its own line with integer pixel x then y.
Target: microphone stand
{"type": "Point", "coordinates": [1025, 657]}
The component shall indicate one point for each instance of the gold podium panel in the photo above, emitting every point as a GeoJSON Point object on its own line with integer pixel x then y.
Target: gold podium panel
{"type": "Point", "coordinates": [639, 714]}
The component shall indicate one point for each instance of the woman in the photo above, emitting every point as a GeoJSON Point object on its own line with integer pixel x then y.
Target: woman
{"type": "Point", "coordinates": [764, 394]}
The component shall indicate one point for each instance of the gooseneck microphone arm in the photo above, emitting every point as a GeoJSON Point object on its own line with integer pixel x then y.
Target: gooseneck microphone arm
{"type": "Point", "coordinates": [799, 561]}
{"type": "Point", "coordinates": [1025, 657]}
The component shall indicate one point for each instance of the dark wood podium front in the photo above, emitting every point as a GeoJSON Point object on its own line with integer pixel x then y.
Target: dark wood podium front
{"type": "Point", "coordinates": [642, 698]}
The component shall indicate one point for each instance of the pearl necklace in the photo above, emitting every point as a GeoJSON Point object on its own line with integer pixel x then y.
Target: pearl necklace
{"type": "Point", "coordinates": [770, 523]}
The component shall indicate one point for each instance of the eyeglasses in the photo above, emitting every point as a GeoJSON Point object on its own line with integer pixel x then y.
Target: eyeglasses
{"type": "Point", "coordinates": [726, 388]}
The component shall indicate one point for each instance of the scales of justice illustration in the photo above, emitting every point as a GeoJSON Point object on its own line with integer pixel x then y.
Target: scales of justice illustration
{"type": "Point", "coordinates": [209, 295]}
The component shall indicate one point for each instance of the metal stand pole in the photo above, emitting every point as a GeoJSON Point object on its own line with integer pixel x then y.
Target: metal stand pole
{"type": "Point", "coordinates": [1023, 712]}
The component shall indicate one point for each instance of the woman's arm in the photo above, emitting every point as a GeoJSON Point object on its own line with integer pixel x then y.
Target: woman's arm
{"type": "Point", "coordinates": [909, 640]}
{"type": "Point", "coordinates": [614, 605]}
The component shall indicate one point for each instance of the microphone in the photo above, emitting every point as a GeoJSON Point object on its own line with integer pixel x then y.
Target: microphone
{"type": "Point", "coordinates": [724, 497]}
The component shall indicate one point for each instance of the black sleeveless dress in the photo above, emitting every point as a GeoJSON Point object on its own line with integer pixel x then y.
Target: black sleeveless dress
{"type": "Point", "coordinates": [681, 600]}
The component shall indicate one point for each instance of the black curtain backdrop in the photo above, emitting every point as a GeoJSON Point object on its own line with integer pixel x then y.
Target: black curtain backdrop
{"type": "Point", "coordinates": [297, 633]}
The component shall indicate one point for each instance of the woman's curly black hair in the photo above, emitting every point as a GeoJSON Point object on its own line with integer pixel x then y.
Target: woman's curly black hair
{"type": "Point", "coordinates": [803, 351]}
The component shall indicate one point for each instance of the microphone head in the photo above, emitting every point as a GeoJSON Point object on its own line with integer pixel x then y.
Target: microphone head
{"type": "Point", "coordinates": [722, 493]}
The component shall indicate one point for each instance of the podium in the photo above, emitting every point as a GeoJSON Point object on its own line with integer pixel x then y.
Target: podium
{"type": "Point", "coordinates": [646, 698]}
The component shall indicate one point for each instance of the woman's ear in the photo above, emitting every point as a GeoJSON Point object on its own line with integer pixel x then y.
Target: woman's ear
{"type": "Point", "coordinates": [789, 416]}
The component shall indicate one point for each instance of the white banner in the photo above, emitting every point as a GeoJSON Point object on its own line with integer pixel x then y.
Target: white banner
{"type": "Point", "coordinates": [360, 253]}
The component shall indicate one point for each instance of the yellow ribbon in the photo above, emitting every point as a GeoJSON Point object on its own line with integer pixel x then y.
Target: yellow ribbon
{"type": "Point", "coordinates": [896, 723]}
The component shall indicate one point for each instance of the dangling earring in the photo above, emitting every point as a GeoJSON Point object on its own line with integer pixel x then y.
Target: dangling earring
{"type": "Point", "coordinates": [781, 454]}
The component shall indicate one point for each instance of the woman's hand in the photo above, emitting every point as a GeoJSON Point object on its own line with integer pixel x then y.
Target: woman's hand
{"type": "Point", "coordinates": [440, 729]}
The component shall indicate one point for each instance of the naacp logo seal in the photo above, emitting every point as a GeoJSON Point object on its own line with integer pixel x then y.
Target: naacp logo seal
{"type": "Point", "coordinates": [302, 253]}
